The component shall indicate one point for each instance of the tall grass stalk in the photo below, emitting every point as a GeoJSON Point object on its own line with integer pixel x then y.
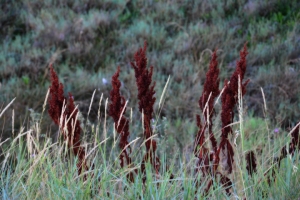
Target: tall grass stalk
{"type": "Point", "coordinates": [265, 111]}
{"type": "Point", "coordinates": [97, 132]}
{"type": "Point", "coordinates": [241, 157]}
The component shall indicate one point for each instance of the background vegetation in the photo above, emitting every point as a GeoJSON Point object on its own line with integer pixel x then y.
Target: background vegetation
{"type": "Point", "coordinates": [86, 41]}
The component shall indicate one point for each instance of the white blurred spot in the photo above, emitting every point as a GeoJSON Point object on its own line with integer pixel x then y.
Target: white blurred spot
{"type": "Point", "coordinates": [104, 81]}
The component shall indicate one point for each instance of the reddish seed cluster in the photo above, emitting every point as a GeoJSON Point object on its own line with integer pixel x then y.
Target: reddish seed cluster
{"type": "Point", "coordinates": [206, 104]}
{"type": "Point", "coordinates": [116, 107]}
{"type": "Point", "coordinates": [56, 99]}
{"type": "Point", "coordinates": [208, 161]}
{"type": "Point", "coordinates": [211, 85]}
{"type": "Point", "coordinates": [229, 99]}
{"type": "Point", "coordinates": [72, 135]}
{"type": "Point", "coordinates": [75, 129]}
{"type": "Point", "coordinates": [230, 94]}
{"type": "Point", "coordinates": [210, 93]}
{"type": "Point", "coordinates": [146, 101]}
{"type": "Point", "coordinates": [144, 79]}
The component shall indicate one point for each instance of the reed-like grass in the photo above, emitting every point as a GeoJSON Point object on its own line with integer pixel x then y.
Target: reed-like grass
{"type": "Point", "coordinates": [49, 173]}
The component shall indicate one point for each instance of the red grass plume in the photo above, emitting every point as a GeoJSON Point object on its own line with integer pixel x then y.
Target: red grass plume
{"type": "Point", "coordinates": [206, 104]}
{"type": "Point", "coordinates": [67, 121]}
{"type": "Point", "coordinates": [146, 101]}
{"type": "Point", "coordinates": [56, 99]}
{"type": "Point", "coordinates": [116, 110]}
{"type": "Point", "coordinates": [229, 99]}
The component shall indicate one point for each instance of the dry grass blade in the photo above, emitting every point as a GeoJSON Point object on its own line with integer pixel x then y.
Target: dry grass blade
{"type": "Point", "coordinates": [163, 93]}
{"type": "Point", "coordinates": [90, 107]}
{"type": "Point", "coordinates": [7, 107]}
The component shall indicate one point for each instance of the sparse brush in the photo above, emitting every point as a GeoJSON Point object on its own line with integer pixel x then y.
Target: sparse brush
{"type": "Point", "coordinates": [293, 146]}
{"type": "Point", "coordinates": [146, 101]}
{"type": "Point", "coordinates": [116, 109]}
{"type": "Point", "coordinates": [64, 114]}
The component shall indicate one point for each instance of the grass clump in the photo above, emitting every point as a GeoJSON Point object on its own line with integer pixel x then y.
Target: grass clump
{"type": "Point", "coordinates": [234, 157]}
